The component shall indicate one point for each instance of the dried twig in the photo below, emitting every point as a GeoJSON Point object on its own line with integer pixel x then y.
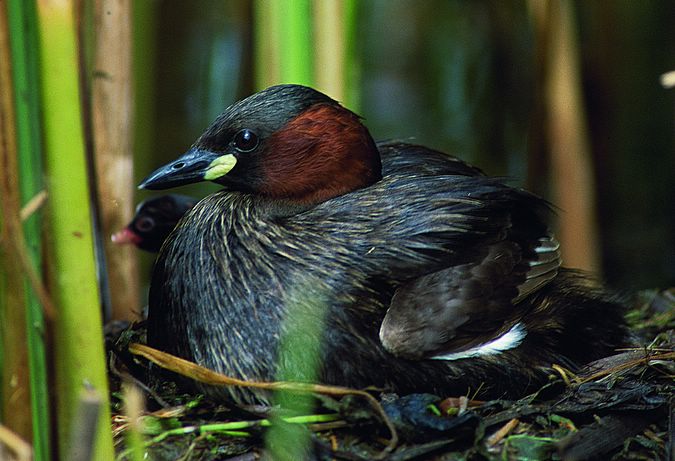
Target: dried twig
{"type": "Point", "coordinates": [627, 365]}
{"type": "Point", "coordinates": [18, 446]}
{"type": "Point", "coordinates": [33, 205]}
{"type": "Point", "coordinates": [206, 376]}
{"type": "Point", "coordinates": [564, 373]}
{"type": "Point", "coordinates": [502, 432]}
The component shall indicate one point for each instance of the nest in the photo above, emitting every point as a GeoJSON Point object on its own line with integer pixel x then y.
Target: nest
{"type": "Point", "coordinates": [619, 407]}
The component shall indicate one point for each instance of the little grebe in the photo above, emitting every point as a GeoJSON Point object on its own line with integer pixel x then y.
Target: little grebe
{"type": "Point", "coordinates": [420, 273]}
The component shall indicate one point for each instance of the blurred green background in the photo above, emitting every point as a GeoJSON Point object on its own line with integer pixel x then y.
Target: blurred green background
{"type": "Point", "coordinates": [461, 77]}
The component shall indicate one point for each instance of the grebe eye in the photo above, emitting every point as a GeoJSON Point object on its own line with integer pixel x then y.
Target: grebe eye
{"type": "Point", "coordinates": [145, 224]}
{"type": "Point", "coordinates": [245, 140]}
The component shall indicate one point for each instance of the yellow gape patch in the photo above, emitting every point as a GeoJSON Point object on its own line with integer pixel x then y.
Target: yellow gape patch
{"type": "Point", "coordinates": [220, 167]}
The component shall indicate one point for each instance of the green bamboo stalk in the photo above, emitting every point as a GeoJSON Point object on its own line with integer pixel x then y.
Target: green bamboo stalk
{"type": "Point", "coordinates": [336, 65]}
{"type": "Point", "coordinates": [352, 65]}
{"type": "Point", "coordinates": [291, 21]}
{"type": "Point", "coordinates": [15, 412]}
{"type": "Point", "coordinates": [23, 32]}
{"type": "Point", "coordinates": [283, 42]}
{"type": "Point", "coordinates": [266, 30]}
{"type": "Point", "coordinates": [298, 360]}
{"type": "Point", "coordinates": [78, 333]}
{"type": "Point", "coordinates": [330, 47]}
{"type": "Point", "coordinates": [295, 41]}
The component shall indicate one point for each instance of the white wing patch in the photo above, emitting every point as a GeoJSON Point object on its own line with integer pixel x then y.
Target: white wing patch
{"type": "Point", "coordinates": [543, 269]}
{"type": "Point", "coordinates": [508, 340]}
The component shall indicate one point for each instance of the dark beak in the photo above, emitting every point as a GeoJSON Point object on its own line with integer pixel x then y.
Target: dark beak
{"type": "Point", "coordinates": [194, 166]}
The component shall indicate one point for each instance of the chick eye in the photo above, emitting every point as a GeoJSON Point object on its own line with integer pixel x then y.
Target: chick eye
{"type": "Point", "coordinates": [145, 224]}
{"type": "Point", "coordinates": [245, 140]}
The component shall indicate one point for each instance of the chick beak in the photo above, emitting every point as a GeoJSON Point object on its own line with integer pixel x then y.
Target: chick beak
{"type": "Point", "coordinates": [194, 166]}
{"type": "Point", "coordinates": [126, 236]}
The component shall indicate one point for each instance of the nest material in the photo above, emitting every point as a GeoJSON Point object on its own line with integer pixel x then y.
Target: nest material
{"type": "Point", "coordinates": [619, 407]}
